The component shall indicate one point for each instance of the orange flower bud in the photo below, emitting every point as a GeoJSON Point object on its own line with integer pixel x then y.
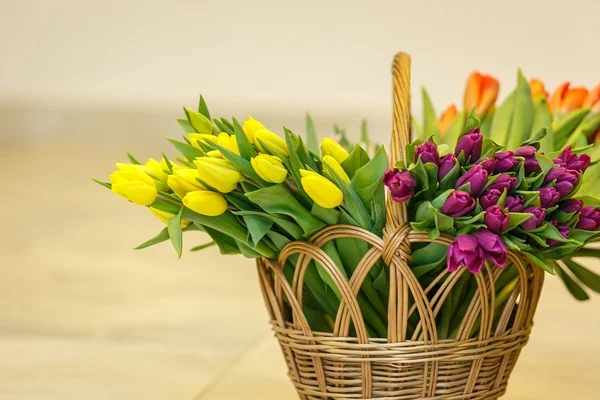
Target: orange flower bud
{"type": "Point", "coordinates": [537, 88]}
{"type": "Point", "coordinates": [447, 117]}
{"type": "Point", "coordinates": [566, 99]}
{"type": "Point", "coordinates": [481, 92]}
{"type": "Point", "coordinates": [593, 100]}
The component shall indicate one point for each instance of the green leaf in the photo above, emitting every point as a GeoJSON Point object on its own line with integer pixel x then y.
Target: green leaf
{"type": "Point", "coordinates": [429, 258]}
{"type": "Point", "coordinates": [311, 135]}
{"type": "Point", "coordinates": [364, 132]}
{"type": "Point", "coordinates": [439, 201]}
{"type": "Point", "coordinates": [431, 125]}
{"type": "Point", "coordinates": [502, 118]}
{"type": "Point", "coordinates": [471, 123]}
{"type": "Point", "coordinates": [285, 223]}
{"type": "Point", "coordinates": [584, 130]}
{"type": "Point", "coordinates": [353, 203]}
{"type": "Point", "coordinates": [564, 127]}
{"type": "Point", "coordinates": [365, 179]}
{"type": "Point", "coordinates": [330, 216]}
{"type": "Point", "coordinates": [357, 159]}
{"type": "Point", "coordinates": [132, 159]}
{"type": "Point", "coordinates": [538, 259]}
{"type": "Point", "coordinates": [203, 246]}
{"type": "Point", "coordinates": [587, 277]}
{"type": "Point", "coordinates": [258, 227]}
{"type": "Point", "coordinates": [175, 233]}
{"type": "Point", "coordinates": [546, 164]}
{"type": "Point", "coordinates": [277, 199]}
{"type": "Point", "coordinates": [165, 206]}
{"type": "Point", "coordinates": [522, 115]}
{"type": "Point", "coordinates": [161, 237]}
{"type": "Point", "coordinates": [543, 119]}
{"type": "Point", "coordinates": [185, 124]}
{"type": "Point", "coordinates": [246, 149]}
{"type": "Point", "coordinates": [574, 288]}
{"type": "Point", "coordinates": [536, 137]}
{"type": "Point", "coordinates": [222, 127]}
{"type": "Point", "coordinates": [186, 150]}
{"type": "Point", "coordinates": [199, 122]}
{"type": "Point", "coordinates": [590, 201]}
{"type": "Point", "coordinates": [203, 108]}
{"type": "Point", "coordinates": [107, 185]}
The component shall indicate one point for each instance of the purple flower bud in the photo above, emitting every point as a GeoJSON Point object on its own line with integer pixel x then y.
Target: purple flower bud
{"type": "Point", "coordinates": [489, 164]}
{"type": "Point", "coordinates": [537, 220]}
{"type": "Point", "coordinates": [570, 160]}
{"type": "Point", "coordinates": [506, 161]}
{"type": "Point", "coordinates": [471, 144]}
{"type": "Point", "coordinates": [496, 219]}
{"type": "Point", "coordinates": [566, 179]}
{"type": "Point", "coordinates": [514, 203]}
{"type": "Point", "coordinates": [589, 219]}
{"type": "Point", "coordinates": [571, 205]}
{"type": "Point", "coordinates": [489, 198]}
{"type": "Point", "coordinates": [401, 183]}
{"type": "Point", "coordinates": [493, 247]}
{"type": "Point", "coordinates": [528, 153]}
{"type": "Point", "coordinates": [446, 164]}
{"type": "Point", "coordinates": [504, 182]}
{"type": "Point", "coordinates": [564, 232]}
{"type": "Point", "coordinates": [477, 177]}
{"type": "Point", "coordinates": [465, 251]}
{"type": "Point", "coordinates": [428, 153]}
{"type": "Point", "coordinates": [548, 196]}
{"type": "Point", "coordinates": [458, 204]}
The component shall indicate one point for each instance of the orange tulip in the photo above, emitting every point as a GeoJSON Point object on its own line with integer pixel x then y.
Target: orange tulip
{"type": "Point", "coordinates": [593, 100]}
{"type": "Point", "coordinates": [565, 99]}
{"type": "Point", "coordinates": [537, 88]}
{"type": "Point", "coordinates": [446, 118]}
{"type": "Point", "coordinates": [481, 93]}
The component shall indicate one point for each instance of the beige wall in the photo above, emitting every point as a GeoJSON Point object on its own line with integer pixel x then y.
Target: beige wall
{"type": "Point", "coordinates": [331, 57]}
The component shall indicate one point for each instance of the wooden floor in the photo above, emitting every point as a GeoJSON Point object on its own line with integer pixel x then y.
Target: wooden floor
{"type": "Point", "coordinates": [82, 316]}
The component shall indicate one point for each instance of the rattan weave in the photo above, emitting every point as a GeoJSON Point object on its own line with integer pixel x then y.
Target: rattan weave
{"type": "Point", "coordinates": [338, 366]}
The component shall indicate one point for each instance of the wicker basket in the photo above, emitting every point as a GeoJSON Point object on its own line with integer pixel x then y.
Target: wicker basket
{"type": "Point", "coordinates": [337, 366]}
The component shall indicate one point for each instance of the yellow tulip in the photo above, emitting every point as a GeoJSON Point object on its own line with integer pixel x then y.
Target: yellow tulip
{"type": "Point", "coordinates": [330, 147]}
{"type": "Point", "coordinates": [336, 167]}
{"type": "Point", "coordinates": [165, 216]}
{"type": "Point", "coordinates": [228, 142]}
{"type": "Point", "coordinates": [205, 202]}
{"type": "Point", "coordinates": [200, 123]}
{"type": "Point", "coordinates": [133, 184]}
{"type": "Point", "coordinates": [184, 180]}
{"type": "Point", "coordinates": [269, 167]}
{"type": "Point", "coordinates": [250, 127]}
{"type": "Point", "coordinates": [214, 154]}
{"type": "Point", "coordinates": [218, 173]}
{"type": "Point", "coordinates": [197, 138]}
{"type": "Point", "coordinates": [321, 189]}
{"type": "Point", "coordinates": [264, 139]}
{"type": "Point", "coordinates": [157, 169]}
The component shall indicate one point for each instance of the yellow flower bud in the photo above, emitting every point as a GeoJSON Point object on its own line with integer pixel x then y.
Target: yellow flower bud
{"type": "Point", "coordinates": [264, 139]}
{"type": "Point", "coordinates": [165, 216]}
{"type": "Point", "coordinates": [321, 189]}
{"type": "Point", "coordinates": [228, 142]}
{"type": "Point", "coordinates": [269, 167]}
{"type": "Point", "coordinates": [330, 147]}
{"type": "Point", "coordinates": [157, 169]}
{"type": "Point", "coordinates": [205, 202]}
{"type": "Point", "coordinates": [250, 127]}
{"type": "Point", "coordinates": [184, 180]}
{"type": "Point", "coordinates": [197, 138]}
{"type": "Point", "coordinates": [200, 123]}
{"type": "Point", "coordinates": [218, 173]}
{"type": "Point", "coordinates": [336, 167]}
{"type": "Point", "coordinates": [133, 184]}
{"type": "Point", "coordinates": [214, 154]}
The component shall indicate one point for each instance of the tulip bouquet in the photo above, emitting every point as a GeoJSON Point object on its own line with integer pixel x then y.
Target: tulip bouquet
{"type": "Point", "coordinates": [571, 118]}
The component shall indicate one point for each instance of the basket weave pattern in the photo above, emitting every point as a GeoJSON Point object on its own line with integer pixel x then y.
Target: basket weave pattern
{"type": "Point", "coordinates": [337, 366]}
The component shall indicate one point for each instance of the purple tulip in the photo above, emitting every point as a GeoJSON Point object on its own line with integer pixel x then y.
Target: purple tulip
{"type": "Point", "coordinates": [446, 164]}
{"type": "Point", "coordinates": [514, 203]}
{"type": "Point", "coordinates": [458, 204]}
{"type": "Point", "coordinates": [570, 206]}
{"type": "Point", "coordinates": [506, 161]}
{"type": "Point", "coordinates": [489, 164]}
{"type": "Point", "coordinates": [537, 220]}
{"type": "Point", "coordinates": [477, 177]}
{"type": "Point", "coordinates": [589, 219]}
{"type": "Point", "coordinates": [465, 251]}
{"type": "Point", "coordinates": [489, 198]}
{"type": "Point", "coordinates": [549, 196]}
{"type": "Point", "coordinates": [470, 144]}
{"type": "Point", "coordinates": [504, 182]}
{"type": "Point", "coordinates": [531, 163]}
{"type": "Point", "coordinates": [428, 153]}
{"type": "Point", "coordinates": [566, 179]}
{"type": "Point", "coordinates": [564, 232]}
{"type": "Point", "coordinates": [401, 183]}
{"type": "Point", "coordinates": [570, 160]}
{"type": "Point", "coordinates": [493, 247]}
{"type": "Point", "coordinates": [496, 219]}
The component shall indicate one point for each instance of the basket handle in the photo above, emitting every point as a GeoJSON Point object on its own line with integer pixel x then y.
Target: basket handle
{"type": "Point", "coordinates": [396, 212]}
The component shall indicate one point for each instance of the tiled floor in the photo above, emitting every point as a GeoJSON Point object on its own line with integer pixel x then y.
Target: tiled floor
{"type": "Point", "coordinates": [82, 316]}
